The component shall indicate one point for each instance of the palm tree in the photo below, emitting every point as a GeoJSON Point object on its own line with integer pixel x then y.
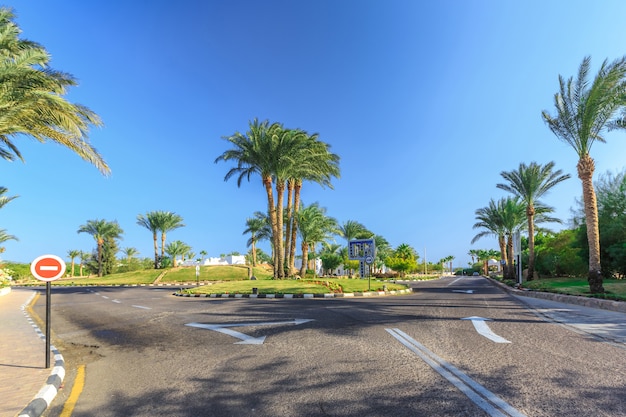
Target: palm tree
{"type": "Point", "coordinates": [129, 253]}
{"type": "Point", "coordinates": [383, 250]}
{"type": "Point", "coordinates": [84, 257]}
{"type": "Point", "coordinates": [583, 112]}
{"type": "Point", "coordinates": [315, 163]}
{"type": "Point", "coordinates": [73, 253]}
{"type": "Point", "coordinates": [177, 248]}
{"type": "Point", "coordinates": [530, 183]}
{"type": "Point", "coordinates": [4, 236]}
{"type": "Point", "coordinates": [313, 227]}
{"type": "Point", "coordinates": [203, 254]}
{"type": "Point", "coordinates": [151, 222]}
{"type": "Point", "coordinates": [159, 221]}
{"type": "Point", "coordinates": [101, 230]}
{"type": "Point", "coordinates": [254, 226]}
{"type": "Point", "coordinates": [500, 219]}
{"type": "Point", "coordinates": [256, 153]}
{"type": "Point", "coordinates": [167, 222]}
{"type": "Point", "coordinates": [4, 200]}
{"type": "Point", "coordinates": [278, 155]}
{"type": "Point", "coordinates": [31, 101]}
{"type": "Point", "coordinates": [352, 229]}
{"type": "Point", "coordinates": [443, 261]}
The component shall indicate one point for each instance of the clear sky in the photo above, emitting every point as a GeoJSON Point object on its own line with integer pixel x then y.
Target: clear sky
{"type": "Point", "coordinates": [426, 102]}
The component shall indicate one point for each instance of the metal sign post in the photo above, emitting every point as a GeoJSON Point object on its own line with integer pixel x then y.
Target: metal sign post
{"type": "Point", "coordinates": [48, 268]}
{"type": "Point", "coordinates": [363, 250]}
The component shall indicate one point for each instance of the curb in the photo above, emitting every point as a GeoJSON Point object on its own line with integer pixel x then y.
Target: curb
{"type": "Point", "coordinates": [46, 394]}
{"type": "Point", "coordinates": [617, 306]}
{"type": "Point", "coordinates": [330, 295]}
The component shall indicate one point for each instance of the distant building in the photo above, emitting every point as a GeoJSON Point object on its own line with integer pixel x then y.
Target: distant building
{"type": "Point", "coordinates": [226, 260]}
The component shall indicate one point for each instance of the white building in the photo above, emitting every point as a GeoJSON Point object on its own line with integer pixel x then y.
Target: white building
{"type": "Point", "coordinates": [226, 260]}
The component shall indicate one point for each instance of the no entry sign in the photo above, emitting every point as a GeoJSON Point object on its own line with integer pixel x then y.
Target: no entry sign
{"type": "Point", "coordinates": [47, 268]}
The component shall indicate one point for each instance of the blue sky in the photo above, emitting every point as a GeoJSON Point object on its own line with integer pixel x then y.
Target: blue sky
{"type": "Point", "coordinates": [426, 102]}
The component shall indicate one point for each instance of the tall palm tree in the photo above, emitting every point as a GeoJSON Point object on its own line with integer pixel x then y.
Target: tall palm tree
{"type": "Point", "coordinates": [167, 222]}
{"type": "Point", "coordinates": [583, 112]}
{"type": "Point", "coordinates": [255, 152]}
{"type": "Point", "coordinates": [73, 254]}
{"type": "Point", "coordinates": [500, 219]}
{"type": "Point", "coordinates": [314, 163]}
{"type": "Point", "coordinates": [101, 230]}
{"type": "Point", "coordinates": [31, 99]}
{"type": "Point", "coordinates": [151, 222]}
{"type": "Point", "coordinates": [281, 157]}
{"type": "Point", "coordinates": [254, 226]}
{"type": "Point", "coordinates": [313, 227]}
{"type": "Point", "coordinates": [291, 145]}
{"type": "Point", "coordinates": [530, 183]}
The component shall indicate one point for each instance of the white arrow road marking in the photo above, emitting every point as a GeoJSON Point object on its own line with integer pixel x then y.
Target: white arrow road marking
{"type": "Point", "coordinates": [464, 291]}
{"type": "Point", "coordinates": [245, 339]}
{"type": "Point", "coordinates": [493, 405]}
{"type": "Point", "coordinates": [484, 330]}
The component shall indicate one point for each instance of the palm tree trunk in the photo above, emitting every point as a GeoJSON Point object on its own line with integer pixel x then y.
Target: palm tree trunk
{"type": "Point", "coordinates": [100, 243]}
{"type": "Point", "coordinates": [305, 257]}
{"type": "Point", "coordinates": [156, 251]}
{"type": "Point", "coordinates": [530, 214]}
{"type": "Point", "coordinates": [510, 266]}
{"type": "Point", "coordinates": [267, 182]}
{"type": "Point", "coordinates": [162, 245]}
{"type": "Point", "coordinates": [294, 227]}
{"type": "Point", "coordinates": [253, 254]}
{"type": "Point", "coordinates": [586, 167]}
{"type": "Point", "coordinates": [280, 250]}
{"type": "Point", "coordinates": [288, 227]}
{"type": "Point", "coordinates": [503, 254]}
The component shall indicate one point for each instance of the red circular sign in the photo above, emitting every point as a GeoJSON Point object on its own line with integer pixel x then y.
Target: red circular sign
{"type": "Point", "coordinates": [47, 268]}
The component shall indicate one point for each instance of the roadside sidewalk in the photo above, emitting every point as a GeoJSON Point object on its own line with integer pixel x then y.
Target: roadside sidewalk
{"type": "Point", "coordinates": [23, 375]}
{"type": "Point", "coordinates": [602, 319]}
{"type": "Point", "coordinates": [610, 326]}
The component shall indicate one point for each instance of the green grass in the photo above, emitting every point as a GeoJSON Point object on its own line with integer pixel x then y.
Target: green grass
{"type": "Point", "coordinates": [290, 286]}
{"type": "Point", "coordinates": [215, 273]}
{"type": "Point", "coordinates": [615, 288]}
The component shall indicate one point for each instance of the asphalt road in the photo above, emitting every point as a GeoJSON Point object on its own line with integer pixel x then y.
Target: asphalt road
{"type": "Point", "coordinates": [415, 355]}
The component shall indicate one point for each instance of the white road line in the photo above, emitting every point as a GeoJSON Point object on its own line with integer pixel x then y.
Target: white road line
{"type": "Point", "coordinates": [104, 296]}
{"type": "Point", "coordinates": [479, 395]}
{"type": "Point", "coordinates": [117, 301]}
{"type": "Point", "coordinates": [452, 283]}
{"type": "Point", "coordinates": [245, 339]}
{"type": "Point", "coordinates": [484, 330]}
{"type": "Point", "coordinates": [143, 307]}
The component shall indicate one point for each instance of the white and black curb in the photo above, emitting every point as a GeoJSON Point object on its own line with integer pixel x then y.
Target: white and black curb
{"type": "Point", "coordinates": [327, 295]}
{"type": "Point", "coordinates": [47, 393]}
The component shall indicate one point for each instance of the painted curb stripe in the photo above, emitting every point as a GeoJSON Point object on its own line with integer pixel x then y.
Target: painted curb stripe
{"type": "Point", "coordinates": [47, 393]}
